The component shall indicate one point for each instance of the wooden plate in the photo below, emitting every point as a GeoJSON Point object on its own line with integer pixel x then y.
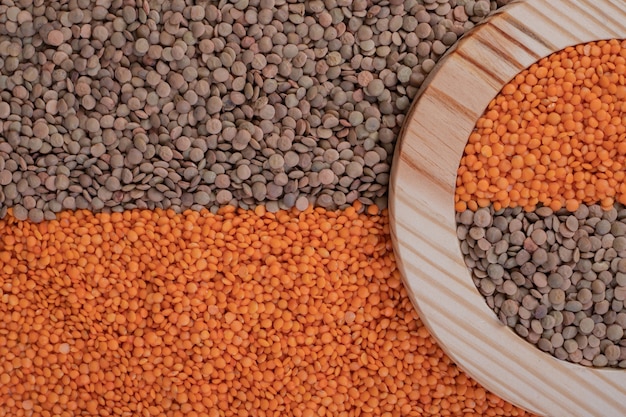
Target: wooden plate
{"type": "Point", "coordinates": [422, 206]}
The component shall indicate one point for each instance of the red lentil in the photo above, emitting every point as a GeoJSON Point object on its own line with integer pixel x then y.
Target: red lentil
{"type": "Point", "coordinates": [234, 314]}
{"type": "Point", "coordinates": [555, 135]}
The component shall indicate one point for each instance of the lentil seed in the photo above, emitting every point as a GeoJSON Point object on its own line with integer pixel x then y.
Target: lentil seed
{"type": "Point", "coordinates": [573, 255]}
{"type": "Point", "coordinates": [564, 286]}
{"type": "Point", "coordinates": [133, 339]}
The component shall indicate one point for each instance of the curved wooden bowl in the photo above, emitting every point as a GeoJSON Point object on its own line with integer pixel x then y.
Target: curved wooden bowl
{"type": "Point", "coordinates": [423, 217]}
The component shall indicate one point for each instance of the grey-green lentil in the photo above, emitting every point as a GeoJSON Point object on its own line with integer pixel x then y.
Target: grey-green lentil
{"type": "Point", "coordinates": [189, 71]}
{"type": "Point", "coordinates": [557, 278]}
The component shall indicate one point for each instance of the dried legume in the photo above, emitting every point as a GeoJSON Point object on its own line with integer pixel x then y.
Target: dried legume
{"type": "Point", "coordinates": [538, 200]}
{"type": "Point", "coordinates": [236, 313]}
{"type": "Point", "coordinates": [575, 288]}
{"type": "Point", "coordinates": [554, 136]}
{"type": "Point", "coordinates": [143, 92]}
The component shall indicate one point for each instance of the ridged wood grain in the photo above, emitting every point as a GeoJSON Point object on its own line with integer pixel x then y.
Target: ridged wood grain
{"type": "Point", "coordinates": [422, 206]}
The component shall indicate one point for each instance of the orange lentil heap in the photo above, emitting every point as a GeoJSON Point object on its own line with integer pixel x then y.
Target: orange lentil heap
{"type": "Point", "coordinates": [555, 135]}
{"type": "Point", "coordinates": [152, 313]}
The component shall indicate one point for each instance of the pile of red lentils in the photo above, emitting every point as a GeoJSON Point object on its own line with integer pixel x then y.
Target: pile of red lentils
{"type": "Point", "coordinates": [239, 313]}
{"type": "Point", "coordinates": [555, 135]}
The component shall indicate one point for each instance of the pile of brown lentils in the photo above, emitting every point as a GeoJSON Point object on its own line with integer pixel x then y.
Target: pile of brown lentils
{"type": "Point", "coordinates": [115, 105]}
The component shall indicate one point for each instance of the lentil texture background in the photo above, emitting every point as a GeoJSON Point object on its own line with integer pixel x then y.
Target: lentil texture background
{"type": "Point", "coordinates": [154, 313]}
{"type": "Point", "coordinates": [138, 111]}
{"type": "Point", "coordinates": [555, 135]}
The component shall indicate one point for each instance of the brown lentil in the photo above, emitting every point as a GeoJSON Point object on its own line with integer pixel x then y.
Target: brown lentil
{"type": "Point", "coordinates": [313, 79]}
{"type": "Point", "coordinates": [580, 273]}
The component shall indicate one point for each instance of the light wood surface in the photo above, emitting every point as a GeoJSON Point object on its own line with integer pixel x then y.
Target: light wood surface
{"type": "Point", "coordinates": [422, 207]}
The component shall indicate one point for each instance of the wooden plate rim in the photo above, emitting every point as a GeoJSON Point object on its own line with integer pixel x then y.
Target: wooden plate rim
{"type": "Point", "coordinates": [422, 206]}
